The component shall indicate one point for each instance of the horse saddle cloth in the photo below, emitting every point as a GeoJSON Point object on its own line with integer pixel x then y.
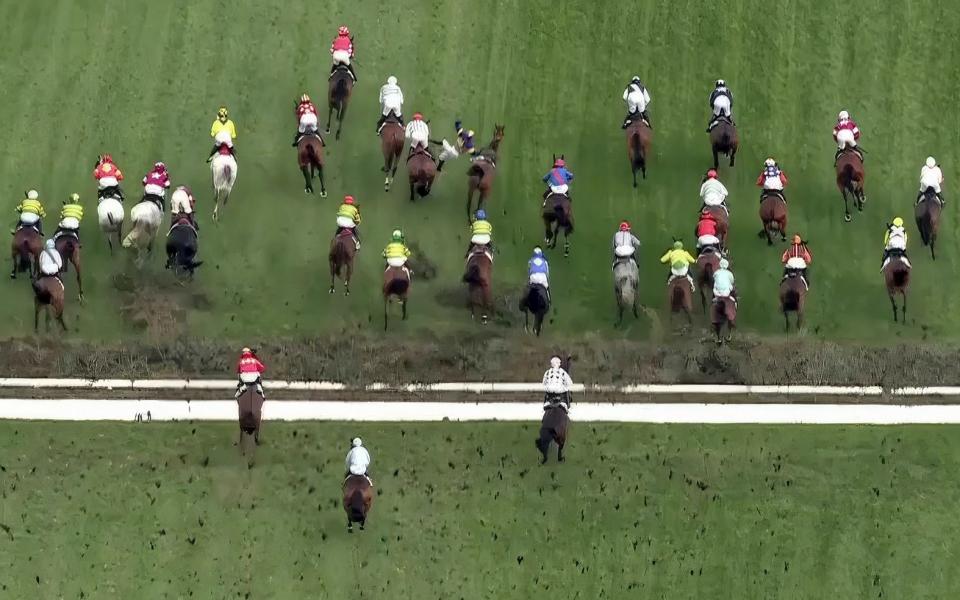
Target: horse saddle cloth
{"type": "Point", "coordinates": [71, 233]}
{"type": "Point", "coordinates": [775, 194]}
{"type": "Point", "coordinates": [346, 233]}
{"type": "Point", "coordinates": [480, 251]}
{"type": "Point", "coordinates": [182, 222]}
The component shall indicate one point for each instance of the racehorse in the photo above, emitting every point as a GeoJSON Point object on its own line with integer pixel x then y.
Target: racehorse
{"type": "Point", "coordinates": [850, 176]}
{"type": "Point", "coordinates": [357, 500]}
{"type": "Point", "coordinates": [479, 279]}
{"type": "Point", "coordinates": [48, 292]}
{"type": "Point", "coordinates": [223, 167]}
{"type": "Point", "coordinates": [724, 140]}
{"type": "Point", "coordinates": [250, 408]}
{"type": "Point", "coordinates": [554, 426]}
{"type": "Point", "coordinates": [536, 300]}
{"type": "Point", "coordinates": [773, 216]}
{"type": "Point", "coordinates": [422, 170]}
{"type": "Point", "coordinates": [707, 264]}
{"type": "Point", "coordinates": [723, 223]}
{"type": "Point", "coordinates": [928, 219]}
{"type": "Point", "coordinates": [482, 170]}
{"type": "Point", "coordinates": [626, 280]}
{"type": "Point", "coordinates": [396, 284]}
{"type": "Point", "coordinates": [25, 250]}
{"type": "Point", "coordinates": [110, 215]}
{"type": "Point", "coordinates": [680, 297]}
{"type": "Point", "coordinates": [341, 86]}
{"type": "Point", "coordinates": [558, 215]}
{"type": "Point", "coordinates": [391, 144]}
{"type": "Point", "coordinates": [896, 274]}
{"type": "Point", "coordinates": [310, 159]}
{"type": "Point", "coordinates": [639, 139]}
{"type": "Point", "coordinates": [793, 293]}
{"type": "Point", "coordinates": [343, 249]}
{"type": "Point", "coordinates": [182, 245]}
{"type": "Point", "coordinates": [723, 312]}
{"type": "Point", "coordinates": [68, 245]}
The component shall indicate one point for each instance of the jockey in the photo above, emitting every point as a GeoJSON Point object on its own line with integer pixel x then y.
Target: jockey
{"type": "Point", "coordinates": [348, 217]}
{"type": "Point", "coordinates": [307, 120]}
{"type": "Point", "coordinates": [707, 232]}
{"type": "Point", "coordinates": [538, 271]}
{"type": "Point", "coordinates": [712, 192]}
{"type": "Point", "coordinates": [31, 213]}
{"type": "Point", "coordinates": [51, 263]}
{"type": "Point", "coordinates": [108, 177]}
{"type": "Point", "coordinates": [358, 459]}
{"type": "Point", "coordinates": [721, 101]}
{"type": "Point", "coordinates": [679, 261]}
{"type": "Point", "coordinates": [396, 251]}
{"type": "Point", "coordinates": [481, 232]}
{"type": "Point", "coordinates": [895, 242]}
{"type": "Point", "coordinates": [723, 282]}
{"type": "Point", "coordinates": [156, 183]}
{"type": "Point", "coordinates": [846, 134]}
{"type": "Point", "coordinates": [930, 177]}
{"type": "Point", "coordinates": [223, 144]}
{"type": "Point", "coordinates": [464, 143]}
{"type": "Point", "coordinates": [249, 370]}
{"type": "Point", "coordinates": [638, 99]}
{"type": "Point", "coordinates": [342, 51]}
{"type": "Point", "coordinates": [418, 133]}
{"type": "Point", "coordinates": [557, 386]}
{"type": "Point", "coordinates": [182, 203]}
{"type": "Point", "coordinates": [772, 178]}
{"type": "Point", "coordinates": [391, 101]}
{"type": "Point", "coordinates": [625, 244]}
{"type": "Point", "coordinates": [796, 259]}
{"type": "Point", "coordinates": [223, 123]}
{"type": "Point", "coordinates": [557, 179]}
{"type": "Point", "coordinates": [70, 216]}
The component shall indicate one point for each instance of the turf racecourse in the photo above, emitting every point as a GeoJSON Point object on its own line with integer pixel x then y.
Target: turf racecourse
{"type": "Point", "coordinates": [142, 80]}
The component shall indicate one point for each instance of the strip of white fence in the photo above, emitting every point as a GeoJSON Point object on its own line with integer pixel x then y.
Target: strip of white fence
{"type": "Point", "coordinates": [301, 410]}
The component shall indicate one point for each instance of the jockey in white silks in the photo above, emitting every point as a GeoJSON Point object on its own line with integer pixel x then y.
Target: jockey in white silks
{"type": "Point", "coordinates": [713, 193]}
{"type": "Point", "coordinates": [417, 133]}
{"type": "Point", "coordinates": [931, 177]}
{"type": "Point", "coordinates": [638, 99]}
{"type": "Point", "coordinates": [358, 459]}
{"type": "Point", "coordinates": [51, 263]}
{"type": "Point", "coordinates": [721, 101]}
{"type": "Point", "coordinates": [557, 385]}
{"type": "Point", "coordinates": [391, 101]}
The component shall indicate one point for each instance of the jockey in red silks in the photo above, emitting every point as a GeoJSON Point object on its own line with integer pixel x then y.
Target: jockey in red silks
{"type": "Point", "coordinates": [846, 134]}
{"type": "Point", "coordinates": [707, 232]}
{"type": "Point", "coordinates": [156, 183]}
{"type": "Point", "coordinates": [250, 371]}
{"type": "Point", "coordinates": [307, 119]}
{"type": "Point", "coordinates": [342, 51]}
{"type": "Point", "coordinates": [108, 177]}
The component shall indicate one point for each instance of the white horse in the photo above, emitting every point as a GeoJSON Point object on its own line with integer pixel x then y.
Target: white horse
{"type": "Point", "coordinates": [224, 170]}
{"type": "Point", "coordinates": [146, 217]}
{"type": "Point", "coordinates": [110, 215]}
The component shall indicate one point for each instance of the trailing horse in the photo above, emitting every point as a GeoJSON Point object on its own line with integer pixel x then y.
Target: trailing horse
{"type": "Point", "coordinates": [182, 246]}
{"type": "Point", "coordinates": [25, 251]}
{"type": "Point", "coordinates": [68, 245]}
{"type": "Point", "coordinates": [391, 144]}
{"type": "Point", "coordinates": [558, 216]}
{"type": "Point", "coordinates": [927, 214]}
{"type": "Point", "coordinates": [773, 216]}
{"type": "Point", "coordinates": [343, 249]}
{"type": "Point", "coordinates": [896, 275]}
{"type": "Point", "coordinates": [341, 86]}
{"type": "Point", "coordinates": [310, 160]}
{"type": "Point", "coordinates": [793, 293]}
{"type": "Point", "coordinates": [535, 300]}
{"type": "Point", "coordinates": [479, 279]}
{"type": "Point", "coordinates": [396, 284]}
{"type": "Point", "coordinates": [850, 178]}
{"type": "Point", "coordinates": [422, 170]}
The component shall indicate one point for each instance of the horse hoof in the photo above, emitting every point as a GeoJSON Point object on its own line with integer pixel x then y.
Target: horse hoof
{"type": "Point", "coordinates": [332, 290]}
{"type": "Point", "coordinates": [323, 193]}
{"type": "Point", "coordinates": [347, 293]}
{"type": "Point", "coordinates": [847, 218]}
{"type": "Point", "coordinates": [307, 191]}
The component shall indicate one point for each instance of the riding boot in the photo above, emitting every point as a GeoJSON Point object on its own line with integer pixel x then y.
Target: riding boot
{"type": "Point", "coordinates": [646, 117]}
{"type": "Point", "coordinates": [380, 122]}
{"type": "Point", "coordinates": [942, 201]}
{"type": "Point", "coordinates": [352, 73]}
{"type": "Point", "coordinates": [836, 157]}
{"type": "Point", "coordinates": [296, 139]}
{"type": "Point", "coordinates": [356, 237]}
{"type": "Point", "coordinates": [440, 165]}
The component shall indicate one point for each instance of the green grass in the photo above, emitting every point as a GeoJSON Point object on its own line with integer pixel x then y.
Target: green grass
{"type": "Point", "coordinates": [171, 511]}
{"type": "Point", "coordinates": [143, 80]}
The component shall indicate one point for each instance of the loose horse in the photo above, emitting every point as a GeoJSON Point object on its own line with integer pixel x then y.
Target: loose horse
{"type": "Point", "coordinates": [422, 170]}
{"type": "Point", "coordinates": [896, 274]}
{"type": "Point", "coordinates": [223, 167]}
{"type": "Point", "coordinates": [639, 140]}
{"type": "Point", "coordinates": [357, 500]}
{"type": "Point", "coordinates": [250, 408]}
{"type": "Point", "coordinates": [479, 279]}
{"type": "Point", "coordinates": [558, 216]}
{"type": "Point", "coordinates": [723, 312]}
{"type": "Point", "coordinates": [343, 249]}
{"type": "Point", "coordinates": [48, 292]}
{"type": "Point", "coordinates": [707, 264]}
{"type": "Point", "coordinates": [554, 426]}
{"type": "Point", "coordinates": [680, 297]}
{"type": "Point", "coordinates": [182, 246]}
{"type": "Point", "coordinates": [793, 293]}
{"type": "Point", "coordinates": [396, 284]}
{"type": "Point", "coordinates": [536, 300]}
{"type": "Point", "coordinates": [850, 177]}
{"type": "Point", "coordinates": [341, 86]}
{"type": "Point", "coordinates": [310, 159]}
{"type": "Point", "coordinates": [626, 280]}
{"type": "Point", "coordinates": [25, 251]}
{"type": "Point", "coordinates": [110, 216]}
{"type": "Point", "coordinates": [68, 245]}
{"type": "Point", "coordinates": [724, 140]}
{"type": "Point", "coordinates": [482, 170]}
{"type": "Point", "coordinates": [773, 216]}
{"type": "Point", "coordinates": [928, 219]}
{"type": "Point", "coordinates": [391, 144]}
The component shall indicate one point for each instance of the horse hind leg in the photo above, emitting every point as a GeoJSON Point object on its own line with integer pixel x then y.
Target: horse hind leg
{"type": "Point", "coordinates": [307, 180]}
{"type": "Point", "coordinates": [323, 185]}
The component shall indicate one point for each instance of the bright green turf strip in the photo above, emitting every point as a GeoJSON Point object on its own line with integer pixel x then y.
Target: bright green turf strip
{"type": "Point", "coordinates": [143, 80]}
{"type": "Point", "coordinates": [786, 512]}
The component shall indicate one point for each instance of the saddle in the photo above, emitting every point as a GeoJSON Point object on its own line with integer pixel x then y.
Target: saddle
{"type": "Point", "coordinates": [773, 193]}
{"type": "Point", "coordinates": [23, 225]}
{"type": "Point", "coordinates": [420, 150]}
{"type": "Point", "coordinates": [340, 68]}
{"type": "Point", "coordinates": [365, 476]}
{"type": "Point", "coordinates": [405, 270]}
{"type": "Point", "coordinates": [345, 233]}
{"type": "Point", "coordinates": [485, 156]}
{"type": "Point", "coordinates": [182, 220]}
{"type": "Point", "coordinates": [157, 200]}
{"type": "Point", "coordinates": [71, 233]}
{"type": "Point", "coordinates": [478, 250]}
{"type": "Point", "coordinates": [307, 134]}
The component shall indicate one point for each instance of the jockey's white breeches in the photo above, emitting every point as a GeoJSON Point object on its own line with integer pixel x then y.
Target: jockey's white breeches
{"type": "Point", "coordinates": [449, 151]}
{"type": "Point", "coordinates": [559, 189]}
{"type": "Point", "coordinates": [845, 138]}
{"type": "Point", "coordinates": [707, 240]}
{"type": "Point", "coordinates": [397, 261]}
{"type": "Point", "coordinates": [156, 190]}
{"type": "Point", "coordinates": [346, 222]}
{"type": "Point", "coordinates": [70, 223]}
{"type": "Point", "coordinates": [721, 106]}
{"type": "Point", "coordinates": [681, 272]}
{"type": "Point", "coordinates": [49, 267]}
{"type": "Point", "coordinates": [341, 57]}
{"type": "Point", "coordinates": [419, 138]}
{"type": "Point", "coordinates": [391, 104]}
{"type": "Point", "coordinates": [249, 377]}
{"type": "Point", "coordinates": [29, 218]}
{"type": "Point", "coordinates": [105, 182]}
{"type": "Point", "coordinates": [636, 105]}
{"type": "Point", "coordinates": [179, 205]}
{"type": "Point", "coordinates": [713, 199]}
{"type": "Point", "coordinates": [933, 182]}
{"type": "Point", "coordinates": [358, 469]}
{"type": "Point", "coordinates": [539, 279]}
{"type": "Point", "coordinates": [773, 183]}
{"type": "Point", "coordinates": [308, 122]}
{"type": "Point", "coordinates": [624, 251]}
{"type": "Point", "coordinates": [223, 137]}
{"type": "Point", "coordinates": [897, 242]}
{"type": "Point", "coordinates": [481, 239]}
{"type": "Point", "coordinates": [721, 292]}
{"type": "Point", "coordinates": [796, 262]}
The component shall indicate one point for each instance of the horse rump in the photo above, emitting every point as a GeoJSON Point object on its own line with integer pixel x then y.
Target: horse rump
{"type": "Point", "coordinates": [40, 292]}
{"type": "Point", "coordinates": [901, 276]}
{"type": "Point", "coordinates": [472, 275]}
{"type": "Point", "coordinates": [357, 506]}
{"type": "Point", "coordinates": [791, 300]}
{"type": "Point", "coordinates": [397, 286]}
{"type": "Point", "coordinates": [250, 405]}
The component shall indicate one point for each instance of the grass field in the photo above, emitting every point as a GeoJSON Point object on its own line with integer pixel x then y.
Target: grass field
{"type": "Point", "coordinates": [463, 511]}
{"type": "Point", "coordinates": [142, 80]}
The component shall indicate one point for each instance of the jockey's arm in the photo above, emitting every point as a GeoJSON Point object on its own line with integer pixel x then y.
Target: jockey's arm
{"type": "Point", "coordinates": [886, 238]}
{"type": "Point", "coordinates": [783, 178]}
{"type": "Point", "coordinates": [567, 381]}
{"type": "Point", "coordinates": [626, 92]}
{"type": "Point", "coordinates": [665, 258]}
{"type": "Point", "coordinates": [760, 180]}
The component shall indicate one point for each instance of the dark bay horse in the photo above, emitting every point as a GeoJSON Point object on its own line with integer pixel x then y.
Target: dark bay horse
{"type": "Point", "coordinates": [250, 410]}
{"type": "Point", "coordinates": [182, 246]}
{"type": "Point", "coordinates": [680, 297]}
{"type": "Point", "coordinates": [723, 311]}
{"type": "Point", "coordinates": [554, 425]}
{"type": "Point", "coordinates": [927, 214]}
{"type": "Point", "coordinates": [25, 250]}
{"type": "Point", "coordinates": [310, 159]}
{"type": "Point", "coordinates": [68, 245]}
{"type": "Point", "coordinates": [793, 293]}
{"type": "Point", "coordinates": [724, 140]}
{"type": "Point", "coordinates": [48, 292]}
{"type": "Point", "coordinates": [639, 140]}
{"type": "Point", "coordinates": [773, 216]}
{"type": "Point", "coordinates": [343, 249]}
{"type": "Point", "coordinates": [626, 280]}
{"type": "Point", "coordinates": [536, 300]}
{"type": "Point", "coordinates": [396, 284]}
{"type": "Point", "coordinates": [357, 500]}
{"type": "Point", "coordinates": [482, 170]}
{"type": "Point", "coordinates": [479, 279]}
{"type": "Point", "coordinates": [896, 274]}
{"type": "Point", "coordinates": [707, 263]}
{"type": "Point", "coordinates": [341, 86]}
{"type": "Point", "coordinates": [850, 177]}
{"type": "Point", "coordinates": [391, 144]}
{"type": "Point", "coordinates": [558, 216]}
{"type": "Point", "coordinates": [422, 170]}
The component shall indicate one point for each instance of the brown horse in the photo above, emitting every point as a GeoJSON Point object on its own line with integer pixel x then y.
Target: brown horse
{"type": "Point", "coordinates": [850, 177]}
{"type": "Point", "coordinates": [422, 170]}
{"type": "Point", "coordinates": [250, 410]}
{"type": "Point", "coordinates": [341, 86]}
{"type": "Point", "coordinates": [723, 312]}
{"type": "Point", "coordinates": [310, 159]}
{"type": "Point", "coordinates": [391, 144]}
{"type": "Point", "coordinates": [724, 140]}
{"type": "Point", "coordinates": [554, 425]}
{"type": "Point", "coordinates": [343, 249]}
{"type": "Point", "coordinates": [723, 222]}
{"type": "Point", "coordinates": [793, 294]}
{"type": "Point", "coordinates": [928, 219]}
{"type": "Point", "coordinates": [482, 170]}
{"type": "Point", "coordinates": [25, 251]}
{"type": "Point", "coordinates": [680, 297]}
{"type": "Point", "coordinates": [707, 263]}
{"type": "Point", "coordinates": [558, 216]}
{"type": "Point", "coordinates": [396, 284]}
{"type": "Point", "coordinates": [773, 216]}
{"type": "Point", "coordinates": [479, 279]}
{"type": "Point", "coordinates": [639, 140]}
{"type": "Point", "coordinates": [896, 274]}
{"type": "Point", "coordinates": [48, 292]}
{"type": "Point", "coordinates": [68, 245]}
{"type": "Point", "coordinates": [357, 500]}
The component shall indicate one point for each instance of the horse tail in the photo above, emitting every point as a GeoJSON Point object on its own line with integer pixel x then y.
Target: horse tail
{"type": "Point", "coordinates": [726, 140]}
{"type": "Point", "coordinates": [848, 175]}
{"type": "Point", "coordinates": [475, 171]}
{"type": "Point", "coordinates": [23, 256]}
{"type": "Point", "coordinates": [637, 149]}
{"type": "Point", "coordinates": [473, 273]}
{"type": "Point", "coordinates": [676, 297]}
{"type": "Point", "coordinates": [357, 506]}
{"type": "Point", "coordinates": [398, 287]}
{"type": "Point", "coordinates": [791, 300]}
{"type": "Point", "coordinates": [340, 90]}
{"type": "Point", "coordinates": [40, 292]}
{"type": "Point", "coordinates": [628, 288]}
{"type": "Point", "coordinates": [900, 277]}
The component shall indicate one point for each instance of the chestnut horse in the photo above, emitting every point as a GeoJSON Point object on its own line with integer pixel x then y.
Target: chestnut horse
{"type": "Point", "coordinates": [723, 312]}
{"type": "Point", "coordinates": [48, 292]}
{"type": "Point", "coordinates": [479, 279]}
{"type": "Point", "coordinates": [850, 176]}
{"type": "Point", "coordinates": [639, 140]}
{"type": "Point", "coordinates": [482, 170]}
{"type": "Point", "coordinates": [357, 500]}
{"type": "Point", "coordinates": [927, 214]}
{"type": "Point", "coordinates": [396, 284]}
{"type": "Point", "coordinates": [707, 263]}
{"type": "Point", "coordinates": [250, 410]}
{"type": "Point", "coordinates": [310, 159]}
{"type": "Point", "coordinates": [558, 216]}
{"type": "Point", "coordinates": [391, 144]}
{"type": "Point", "coordinates": [25, 250]}
{"type": "Point", "coordinates": [896, 274]}
{"type": "Point", "coordinates": [680, 297]}
{"type": "Point", "coordinates": [68, 245]}
{"type": "Point", "coordinates": [793, 293]}
{"type": "Point", "coordinates": [773, 216]}
{"type": "Point", "coordinates": [343, 249]}
{"type": "Point", "coordinates": [422, 170]}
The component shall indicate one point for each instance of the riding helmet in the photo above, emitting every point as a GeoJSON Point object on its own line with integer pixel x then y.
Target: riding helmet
{"type": "Point", "coordinates": [797, 239]}
{"type": "Point", "coordinates": [931, 162]}
{"type": "Point", "coordinates": [712, 174]}
{"type": "Point", "coordinates": [844, 115]}
{"type": "Point", "coordinates": [898, 222]}
{"type": "Point", "coordinates": [344, 30]}
{"type": "Point", "coordinates": [356, 442]}
{"type": "Point", "coordinates": [481, 215]}
{"type": "Point", "coordinates": [625, 226]}
{"type": "Point", "coordinates": [348, 200]}
{"type": "Point", "coordinates": [397, 235]}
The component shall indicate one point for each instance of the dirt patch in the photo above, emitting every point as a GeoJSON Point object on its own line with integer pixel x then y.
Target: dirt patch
{"type": "Point", "coordinates": [155, 305]}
